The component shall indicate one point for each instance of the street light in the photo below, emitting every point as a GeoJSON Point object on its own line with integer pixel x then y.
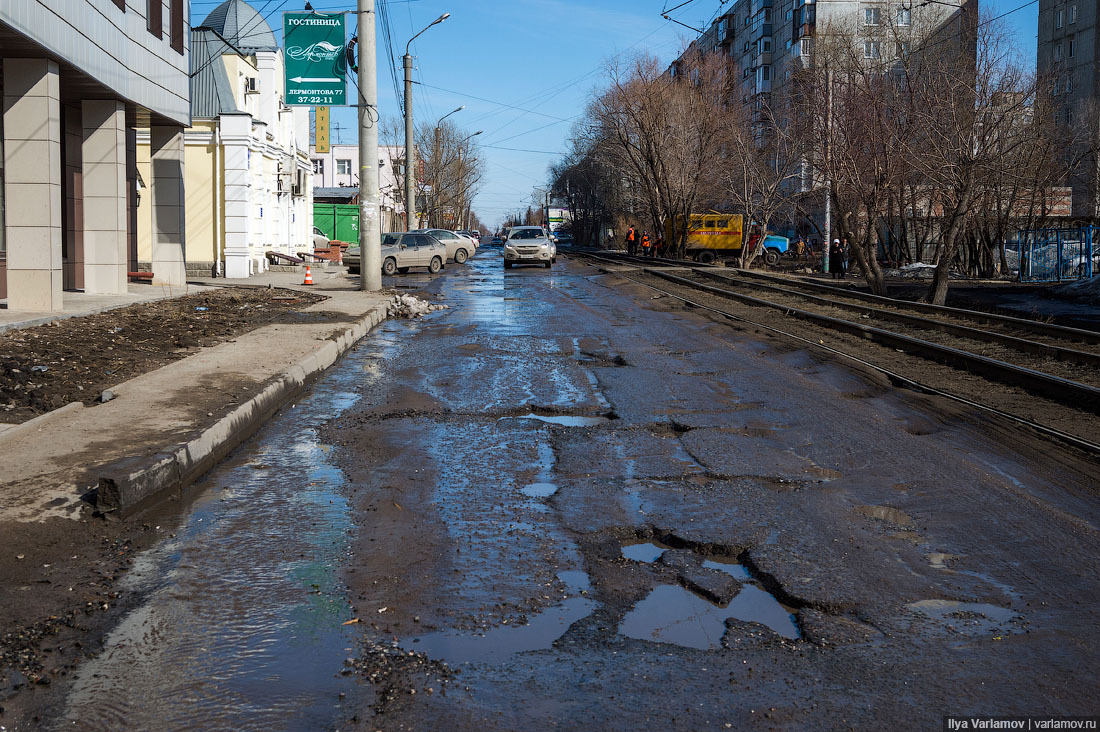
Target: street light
{"type": "Point", "coordinates": [410, 150]}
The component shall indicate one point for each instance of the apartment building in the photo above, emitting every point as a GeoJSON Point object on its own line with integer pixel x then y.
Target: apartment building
{"type": "Point", "coordinates": [78, 77]}
{"type": "Point", "coordinates": [1066, 58]}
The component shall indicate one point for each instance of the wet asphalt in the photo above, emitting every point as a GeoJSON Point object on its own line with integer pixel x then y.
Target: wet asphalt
{"type": "Point", "coordinates": [566, 503]}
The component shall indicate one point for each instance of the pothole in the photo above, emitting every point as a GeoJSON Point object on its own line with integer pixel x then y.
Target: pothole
{"type": "Point", "coordinates": [539, 490]}
{"type": "Point", "coordinates": [693, 614]}
{"type": "Point", "coordinates": [564, 420]}
{"type": "Point", "coordinates": [970, 617]}
{"type": "Point", "coordinates": [540, 632]}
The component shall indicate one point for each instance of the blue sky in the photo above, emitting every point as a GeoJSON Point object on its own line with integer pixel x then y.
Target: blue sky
{"type": "Point", "coordinates": [545, 57]}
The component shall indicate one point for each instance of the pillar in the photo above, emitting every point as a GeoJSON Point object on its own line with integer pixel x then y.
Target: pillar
{"type": "Point", "coordinates": [166, 189]}
{"type": "Point", "coordinates": [32, 184]}
{"type": "Point", "coordinates": [235, 131]}
{"type": "Point", "coordinates": [104, 184]}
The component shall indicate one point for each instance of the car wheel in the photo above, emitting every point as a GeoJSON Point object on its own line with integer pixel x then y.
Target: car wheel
{"type": "Point", "coordinates": [389, 267]}
{"type": "Point", "coordinates": [771, 257]}
{"type": "Point", "coordinates": [461, 256]}
{"type": "Point", "coordinates": [353, 270]}
{"type": "Point", "coordinates": [507, 264]}
{"type": "Point", "coordinates": [436, 265]}
{"type": "Point", "coordinates": [403, 270]}
{"type": "Point", "coordinates": [548, 265]}
{"type": "Point", "coordinates": [704, 257]}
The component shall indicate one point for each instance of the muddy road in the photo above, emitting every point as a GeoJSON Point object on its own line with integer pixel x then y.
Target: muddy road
{"type": "Point", "coordinates": [563, 504]}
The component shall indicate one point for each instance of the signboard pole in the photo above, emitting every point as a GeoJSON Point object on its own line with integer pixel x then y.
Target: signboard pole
{"type": "Point", "coordinates": [370, 239]}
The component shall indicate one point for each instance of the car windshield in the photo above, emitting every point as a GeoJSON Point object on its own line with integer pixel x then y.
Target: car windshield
{"type": "Point", "coordinates": [526, 234]}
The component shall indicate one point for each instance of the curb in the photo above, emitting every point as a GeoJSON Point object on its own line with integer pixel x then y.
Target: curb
{"type": "Point", "coordinates": [40, 421]}
{"type": "Point", "coordinates": [132, 485]}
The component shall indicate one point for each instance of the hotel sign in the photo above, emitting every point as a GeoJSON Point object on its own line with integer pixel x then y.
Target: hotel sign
{"type": "Point", "coordinates": [316, 67]}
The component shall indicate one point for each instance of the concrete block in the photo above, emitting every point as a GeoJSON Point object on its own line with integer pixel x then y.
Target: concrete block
{"type": "Point", "coordinates": [126, 485]}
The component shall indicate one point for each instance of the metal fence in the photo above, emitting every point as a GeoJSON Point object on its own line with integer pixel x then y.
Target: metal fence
{"type": "Point", "coordinates": [1051, 255]}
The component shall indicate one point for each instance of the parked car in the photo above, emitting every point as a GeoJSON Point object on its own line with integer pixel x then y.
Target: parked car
{"type": "Point", "coordinates": [471, 237]}
{"type": "Point", "coordinates": [459, 248]}
{"type": "Point", "coordinates": [320, 241]}
{"type": "Point", "coordinates": [403, 250]}
{"type": "Point", "coordinates": [529, 245]}
{"type": "Point", "coordinates": [562, 237]}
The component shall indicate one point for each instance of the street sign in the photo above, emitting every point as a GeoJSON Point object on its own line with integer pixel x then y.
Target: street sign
{"type": "Point", "coordinates": [316, 68]}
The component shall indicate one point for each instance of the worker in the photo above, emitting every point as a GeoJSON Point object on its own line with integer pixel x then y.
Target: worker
{"type": "Point", "coordinates": [631, 241]}
{"type": "Point", "coordinates": [645, 245]}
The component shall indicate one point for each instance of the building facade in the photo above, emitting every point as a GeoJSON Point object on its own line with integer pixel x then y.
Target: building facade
{"type": "Point", "coordinates": [339, 168]}
{"type": "Point", "coordinates": [249, 181]}
{"type": "Point", "coordinates": [1066, 58]}
{"type": "Point", "coordinates": [78, 77]}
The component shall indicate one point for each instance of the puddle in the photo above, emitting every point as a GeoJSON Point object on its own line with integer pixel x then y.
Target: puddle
{"type": "Point", "coordinates": [539, 490]}
{"type": "Point", "coordinates": [498, 644]}
{"type": "Point", "coordinates": [672, 614]}
{"type": "Point", "coordinates": [647, 552]}
{"type": "Point", "coordinates": [977, 616]}
{"type": "Point", "coordinates": [730, 566]}
{"type": "Point", "coordinates": [565, 420]}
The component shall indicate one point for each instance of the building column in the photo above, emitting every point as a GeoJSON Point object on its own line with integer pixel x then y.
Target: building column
{"type": "Point", "coordinates": [166, 189]}
{"type": "Point", "coordinates": [104, 176]}
{"type": "Point", "coordinates": [234, 130]}
{"type": "Point", "coordinates": [32, 183]}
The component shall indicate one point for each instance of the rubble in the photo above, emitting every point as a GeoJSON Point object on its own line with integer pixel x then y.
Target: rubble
{"type": "Point", "coordinates": [411, 306]}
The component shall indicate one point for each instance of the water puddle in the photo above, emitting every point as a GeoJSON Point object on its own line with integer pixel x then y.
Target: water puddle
{"type": "Point", "coordinates": [498, 644]}
{"type": "Point", "coordinates": [969, 616]}
{"type": "Point", "coordinates": [564, 420]}
{"type": "Point", "coordinates": [539, 490]}
{"type": "Point", "coordinates": [730, 566]}
{"type": "Point", "coordinates": [647, 552]}
{"type": "Point", "coordinates": [672, 614]}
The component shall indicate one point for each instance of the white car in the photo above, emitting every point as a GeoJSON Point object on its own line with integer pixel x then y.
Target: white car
{"type": "Point", "coordinates": [529, 245]}
{"type": "Point", "coordinates": [459, 248]}
{"type": "Point", "coordinates": [400, 251]}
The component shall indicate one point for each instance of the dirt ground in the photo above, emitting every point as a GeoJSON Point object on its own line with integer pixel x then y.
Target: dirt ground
{"type": "Point", "coordinates": [47, 367]}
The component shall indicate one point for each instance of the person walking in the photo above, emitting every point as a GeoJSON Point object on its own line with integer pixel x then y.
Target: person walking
{"type": "Point", "coordinates": [845, 251]}
{"type": "Point", "coordinates": [645, 245]}
{"type": "Point", "coordinates": [631, 241]}
{"type": "Point", "coordinates": [836, 260]}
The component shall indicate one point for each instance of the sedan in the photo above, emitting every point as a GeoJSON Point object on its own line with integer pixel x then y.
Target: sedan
{"type": "Point", "coordinates": [459, 248]}
{"type": "Point", "coordinates": [400, 251]}
{"type": "Point", "coordinates": [320, 241]}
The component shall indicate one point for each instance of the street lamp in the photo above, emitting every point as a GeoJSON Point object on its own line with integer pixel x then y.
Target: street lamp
{"type": "Point", "coordinates": [410, 150]}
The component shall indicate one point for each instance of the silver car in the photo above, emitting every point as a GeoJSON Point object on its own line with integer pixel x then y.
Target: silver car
{"type": "Point", "coordinates": [529, 245]}
{"type": "Point", "coordinates": [459, 248]}
{"type": "Point", "coordinates": [402, 250]}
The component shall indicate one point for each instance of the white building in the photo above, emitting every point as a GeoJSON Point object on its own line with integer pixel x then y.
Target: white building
{"type": "Point", "coordinates": [249, 181]}
{"type": "Point", "coordinates": [339, 168]}
{"type": "Point", "coordinates": [78, 77]}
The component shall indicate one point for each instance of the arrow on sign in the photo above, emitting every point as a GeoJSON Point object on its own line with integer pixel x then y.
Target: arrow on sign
{"type": "Point", "coordinates": [300, 79]}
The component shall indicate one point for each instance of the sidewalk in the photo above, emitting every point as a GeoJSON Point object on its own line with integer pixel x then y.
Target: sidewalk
{"type": "Point", "coordinates": [167, 427]}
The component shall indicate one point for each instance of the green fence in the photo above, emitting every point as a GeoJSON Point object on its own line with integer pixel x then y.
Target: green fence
{"type": "Point", "coordinates": [338, 221]}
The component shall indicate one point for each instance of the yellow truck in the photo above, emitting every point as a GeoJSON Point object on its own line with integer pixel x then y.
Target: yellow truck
{"type": "Point", "coordinates": [712, 235]}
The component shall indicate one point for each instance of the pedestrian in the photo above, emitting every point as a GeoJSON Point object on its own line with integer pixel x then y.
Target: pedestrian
{"type": "Point", "coordinates": [645, 245]}
{"type": "Point", "coordinates": [800, 247]}
{"type": "Point", "coordinates": [631, 241]}
{"type": "Point", "coordinates": [836, 260]}
{"type": "Point", "coordinates": [845, 250]}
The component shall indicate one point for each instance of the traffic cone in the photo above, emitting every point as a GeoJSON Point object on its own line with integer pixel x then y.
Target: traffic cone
{"type": "Point", "coordinates": [309, 277]}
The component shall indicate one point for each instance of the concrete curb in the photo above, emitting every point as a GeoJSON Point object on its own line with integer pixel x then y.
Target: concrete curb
{"type": "Point", "coordinates": [132, 485]}
{"type": "Point", "coordinates": [40, 421]}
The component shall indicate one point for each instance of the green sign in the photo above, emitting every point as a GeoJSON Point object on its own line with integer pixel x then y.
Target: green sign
{"type": "Point", "coordinates": [316, 68]}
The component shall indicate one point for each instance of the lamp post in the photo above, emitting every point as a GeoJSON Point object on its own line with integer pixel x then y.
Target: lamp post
{"type": "Point", "coordinates": [410, 149]}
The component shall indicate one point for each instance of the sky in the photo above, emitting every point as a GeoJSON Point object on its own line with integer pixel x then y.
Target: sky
{"type": "Point", "coordinates": [525, 69]}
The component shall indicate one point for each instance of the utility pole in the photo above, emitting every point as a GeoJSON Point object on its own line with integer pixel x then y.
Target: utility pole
{"type": "Point", "coordinates": [828, 175]}
{"type": "Point", "coordinates": [410, 148]}
{"type": "Point", "coordinates": [370, 240]}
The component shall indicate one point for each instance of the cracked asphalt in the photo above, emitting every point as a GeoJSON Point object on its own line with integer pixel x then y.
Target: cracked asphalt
{"type": "Point", "coordinates": [824, 551]}
{"type": "Point", "coordinates": [565, 503]}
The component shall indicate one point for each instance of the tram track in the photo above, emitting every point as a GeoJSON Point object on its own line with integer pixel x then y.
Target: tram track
{"type": "Point", "coordinates": [1037, 366]}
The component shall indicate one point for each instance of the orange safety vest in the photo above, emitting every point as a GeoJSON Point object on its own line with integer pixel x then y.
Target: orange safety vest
{"type": "Point", "coordinates": [630, 235]}
{"type": "Point", "coordinates": [645, 242]}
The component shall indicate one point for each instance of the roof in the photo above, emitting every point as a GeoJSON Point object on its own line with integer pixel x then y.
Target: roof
{"type": "Point", "coordinates": [241, 25]}
{"type": "Point", "coordinates": [211, 91]}
{"type": "Point", "coordinates": [340, 194]}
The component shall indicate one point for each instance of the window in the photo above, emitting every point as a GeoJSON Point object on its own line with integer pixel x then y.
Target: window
{"type": "Point", "coordinates": [1072, 13]}
{"type": "Point", "coordinates": [905, 16]}
{"type": "Point", "coordinates": [1058, 52]}
{"type": "Point", "coordinates": [343, 167]}
{"type": "Point", "coordinates": [870, 16]}
{"type": "Point", "coordinates": [1069, 46]}
{"type": "Point", "coordinates": [1059, 18]}
{"type": "Point", "coordinates": [766, 73]}
{"type": "Point", "coordinates": [176, 26]}
{"type": "Point", "coordinates": [871, 49]}
{"type": "Point", "coordinates": [1069, 85]}
{"type": "Point", "coordinates": [789, 43]}
{"type": "Point", "coordinates": [318, 167]}
{"type": "Point", "coordinates": [790, 14]}
{"type": "Point", "coordinates": [765, 45]}
{"type": "Point", "coordinates": [153, 19]}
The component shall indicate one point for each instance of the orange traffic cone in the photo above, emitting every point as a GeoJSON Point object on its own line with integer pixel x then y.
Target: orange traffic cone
{"type": "Point", "coordinates": [309, 277]}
